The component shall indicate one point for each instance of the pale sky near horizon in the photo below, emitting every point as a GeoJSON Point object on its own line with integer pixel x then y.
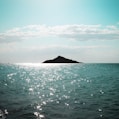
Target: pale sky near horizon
{"type": "Point", "coordinates": [36, 30]}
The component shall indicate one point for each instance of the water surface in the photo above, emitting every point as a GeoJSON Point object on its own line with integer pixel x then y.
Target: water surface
{"type": "Point", "coordinates": [59, 91]}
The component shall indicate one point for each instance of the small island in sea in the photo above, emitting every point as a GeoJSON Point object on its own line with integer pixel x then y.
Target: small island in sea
{"type": "Point", "coordinates": [60, 59]}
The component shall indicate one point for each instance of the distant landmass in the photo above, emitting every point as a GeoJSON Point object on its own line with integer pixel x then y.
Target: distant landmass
{"type": "Point", "coordinates": [60, 59]}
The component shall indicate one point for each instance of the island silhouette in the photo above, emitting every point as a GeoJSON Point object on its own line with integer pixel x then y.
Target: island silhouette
{"type": "Point", "coordinates": [60, 59]}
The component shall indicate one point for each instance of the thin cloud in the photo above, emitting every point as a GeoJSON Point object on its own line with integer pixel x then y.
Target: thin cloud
{"type": "Point", "coordinates": [13, 48]}
{"type": "Point", "coordinates": [76, 32]}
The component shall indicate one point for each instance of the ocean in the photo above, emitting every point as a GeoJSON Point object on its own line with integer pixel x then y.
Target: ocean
{"type": "Point", "coordinates": [59, 91]}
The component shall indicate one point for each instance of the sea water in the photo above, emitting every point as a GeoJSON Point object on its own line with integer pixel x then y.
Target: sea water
{"type": "Point", "coordinates": [59, 91]}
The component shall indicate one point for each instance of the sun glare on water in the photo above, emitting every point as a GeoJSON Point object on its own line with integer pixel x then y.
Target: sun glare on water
{"type": "Point", "coordinates": [40, 64]}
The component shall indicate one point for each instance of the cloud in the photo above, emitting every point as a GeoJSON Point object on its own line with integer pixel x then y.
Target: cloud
{"type": "Point", "coordinates": [76, 32]}
{"type": "Point", "coordinates": [11, 48]}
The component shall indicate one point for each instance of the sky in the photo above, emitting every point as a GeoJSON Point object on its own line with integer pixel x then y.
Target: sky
{"type": "Point", "coordinates": [32, 31]}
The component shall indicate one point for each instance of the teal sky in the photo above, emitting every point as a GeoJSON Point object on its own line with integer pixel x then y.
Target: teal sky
{"type": "Point", "coordinates": [35, 30]}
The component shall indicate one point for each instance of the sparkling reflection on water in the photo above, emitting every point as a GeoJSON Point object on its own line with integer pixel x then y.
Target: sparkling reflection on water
{"type": "Point", "coordinates": [53, 91]}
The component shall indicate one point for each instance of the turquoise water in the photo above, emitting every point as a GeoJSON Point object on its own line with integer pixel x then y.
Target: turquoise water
{"type": "Point", "coordinates": [59, 91]}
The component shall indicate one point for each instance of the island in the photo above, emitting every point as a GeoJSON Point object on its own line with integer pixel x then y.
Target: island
{"type": "Point", "coordinates": [60, 59]}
